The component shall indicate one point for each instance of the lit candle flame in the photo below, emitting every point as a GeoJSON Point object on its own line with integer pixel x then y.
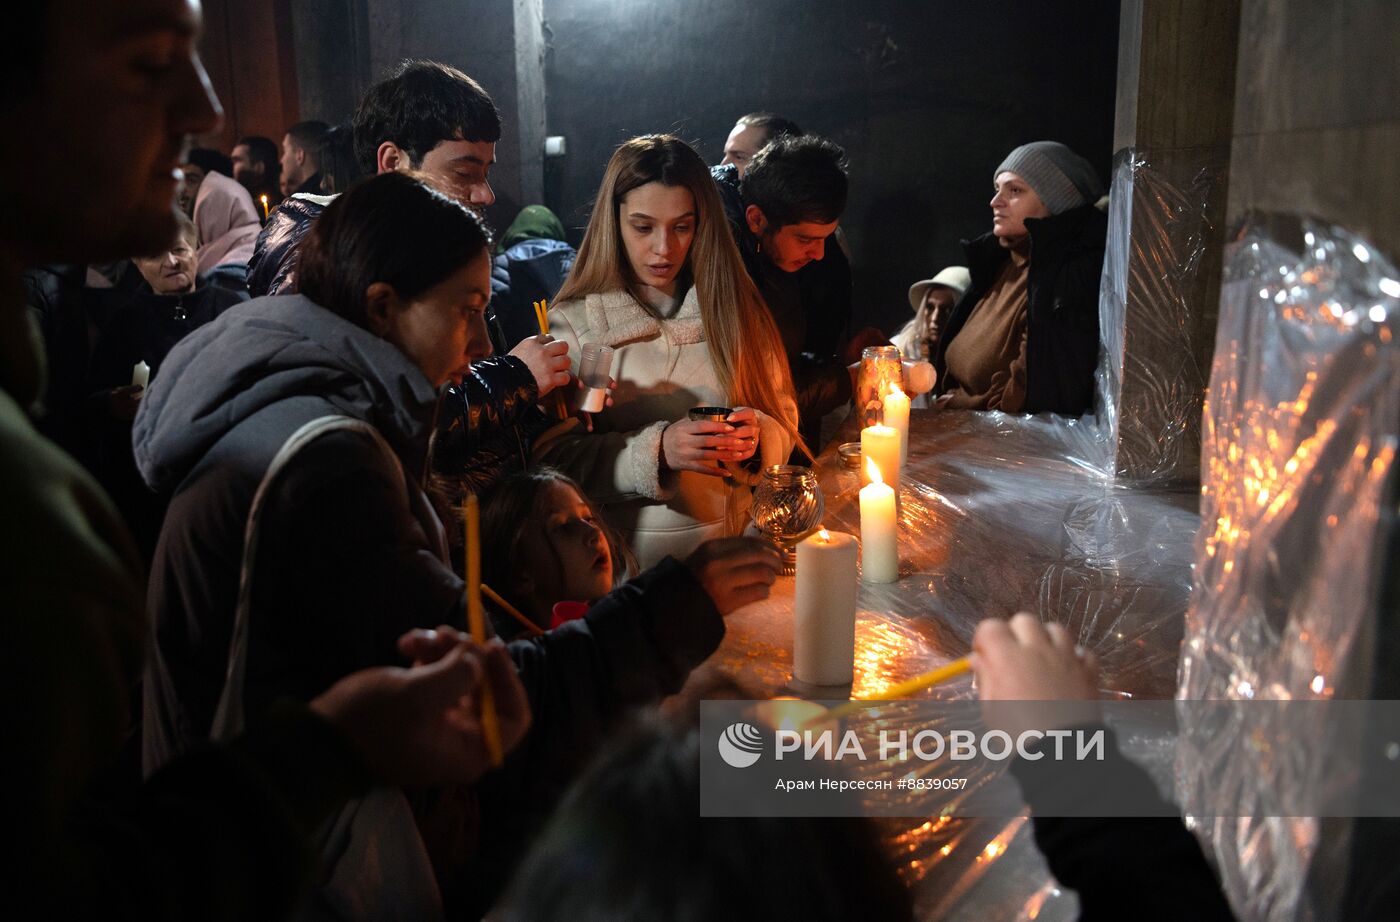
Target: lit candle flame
{"type": "Point", "coordinates": [872, 470]}
{"type": "Point", "coordinates": [825, 535]}
{"type": "Point", "coordinates": [895, 389]}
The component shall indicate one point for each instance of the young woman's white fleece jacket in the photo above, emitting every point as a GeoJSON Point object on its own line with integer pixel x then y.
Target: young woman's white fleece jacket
{"type": "Point", "coordinates": [662, 368]}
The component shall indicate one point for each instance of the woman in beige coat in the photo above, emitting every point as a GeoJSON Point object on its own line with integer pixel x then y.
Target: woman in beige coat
{"type": "Point", "coordinates": [658, 278]}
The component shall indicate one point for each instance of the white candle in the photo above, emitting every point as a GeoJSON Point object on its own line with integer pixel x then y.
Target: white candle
{"type": "Point", "coordinates": [881, 445]}
{"type": "Point", "coordinates": [879, 546]}
{"type": "Point", "coordinates": [140, 374]}
{"type": "Point", "coordinates": [824, 623]}
{"type": "Point", "coordinates": [897, 417]}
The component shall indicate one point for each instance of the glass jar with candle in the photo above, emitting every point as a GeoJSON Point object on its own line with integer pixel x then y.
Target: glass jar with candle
{"type": "Point", "coordinates": [880, 366]}
{"type": "Point", "coordinates": [787, 506]}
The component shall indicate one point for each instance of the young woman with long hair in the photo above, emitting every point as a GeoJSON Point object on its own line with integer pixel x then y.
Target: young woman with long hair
{"type": "Point", "coordinates": [659, 279]}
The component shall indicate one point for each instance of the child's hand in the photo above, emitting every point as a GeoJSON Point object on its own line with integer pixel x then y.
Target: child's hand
{"type": "Point", "coordinates": [736, 571]}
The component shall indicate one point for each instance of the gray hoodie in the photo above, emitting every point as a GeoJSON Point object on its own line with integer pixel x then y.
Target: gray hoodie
{"type": "Point", "coordinates": [237, 376]}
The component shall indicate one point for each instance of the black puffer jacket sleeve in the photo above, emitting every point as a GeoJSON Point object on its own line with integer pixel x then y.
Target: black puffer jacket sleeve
{"type": "Point", "coordinates": [272, 268]}
{"type": "Point", "coordinates": [1123, 867]}
{"type": "Point", "coordinates": [485, 426]}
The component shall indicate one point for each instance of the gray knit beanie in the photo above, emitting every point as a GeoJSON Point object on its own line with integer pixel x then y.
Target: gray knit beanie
{"type": "Point", "coordinates": [1061, 178]}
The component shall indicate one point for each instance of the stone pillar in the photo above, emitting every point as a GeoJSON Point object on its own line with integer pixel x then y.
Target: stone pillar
{"type": "Point", "coordinates": [1317, 132]}
{"type": "Point", "coordinates": [1172, 134]}
{"type": "Point", "coordinates": [530, 98]}
{"type": "Point", "coordinates": [332, 57]}
{"type": "Point", "coordinates": [1317, 120]}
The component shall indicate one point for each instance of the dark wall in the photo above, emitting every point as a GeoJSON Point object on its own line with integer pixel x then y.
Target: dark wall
{"type": "Point", "coordinates": [926, 97]}
{"type": "Point", "coordinates": [249, 52]}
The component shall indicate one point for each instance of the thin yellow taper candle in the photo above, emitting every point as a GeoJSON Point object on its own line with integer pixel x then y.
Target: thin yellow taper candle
{"type": "Point", "coordinates": [901, 690]}
{"type": "Point", "coordinates": [531, 627]}
{"type": "Point", "coordinates": [476, 622]}
{"type": "Point", "coordinates": [542, 315]}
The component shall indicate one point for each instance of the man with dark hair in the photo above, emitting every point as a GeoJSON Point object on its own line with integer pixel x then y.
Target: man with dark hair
{"type": "Point", "coordinates": [424, 116]}
{"type": "Point", "coordinates": [782, 214]}
{"type": "Point", "coordinates": [255, 165]}
{"type": "Point", "coordinates": [221, 833]}
{"type": "Point", "coordinates": [301, 158]}
{"type": "Point", "coordinates": [435, 119]}
{"type": "Point", "coordinates": [751, 133]}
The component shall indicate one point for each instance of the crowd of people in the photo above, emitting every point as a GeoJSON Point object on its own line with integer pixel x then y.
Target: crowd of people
{"type": "Point", "coordinates": [245, 398]}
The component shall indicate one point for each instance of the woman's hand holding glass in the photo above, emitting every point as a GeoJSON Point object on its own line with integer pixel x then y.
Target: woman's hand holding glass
{"type": "Point", "coordinates": [703, 446]}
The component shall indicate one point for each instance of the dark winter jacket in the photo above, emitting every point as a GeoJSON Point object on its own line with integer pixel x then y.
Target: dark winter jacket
{"type": "Point", "coordinates": [1122, 867]}
{"type": "Point", "coordinates": [811, 306]}
{"type": "Point", "coordinates": [220, 834]}
{"type": "Point", "coordinates": [531, 270]}
{"type": "Point", "coordinates": [1062, 315]}
{"type": "Point", "coordinates": [349, 556]}
{"type": "Point", "coordinates": [272, 269]}
{"type": "Point", "coordinates": [138, 326]}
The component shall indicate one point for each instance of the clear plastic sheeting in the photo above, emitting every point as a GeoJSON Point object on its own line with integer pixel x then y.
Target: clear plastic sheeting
{"type": "Point", "coordinates": [998, 514]}
{"type": "Point", "coordinates": [1150, 380]}
{"type": "Point", "coordinates": [1299, 441]}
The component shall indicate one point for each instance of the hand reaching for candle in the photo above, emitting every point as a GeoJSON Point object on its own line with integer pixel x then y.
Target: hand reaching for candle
{"type": "Point", "coordinates": [736, 571]}
{"type": "Point", "coordinates": [1020, 660]}
{"type": "Point", "coordinates": [701, 445]}
{"type": "Point", "coordinates": [420, 725]}
{"type": "Point", "coordinates": [548, 361]}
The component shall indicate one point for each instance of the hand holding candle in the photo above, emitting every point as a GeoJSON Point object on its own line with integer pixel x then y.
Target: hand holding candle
{"type": "Point", "coordinates": [542, 318]}
{"type": "Point", "coordinates": [879, 545]}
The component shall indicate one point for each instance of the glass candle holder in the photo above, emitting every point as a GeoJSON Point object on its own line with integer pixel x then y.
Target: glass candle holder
{"type": "Point", "coordinates": [787, 507]}
{"type": "Point", "coordinates": [880, 367]}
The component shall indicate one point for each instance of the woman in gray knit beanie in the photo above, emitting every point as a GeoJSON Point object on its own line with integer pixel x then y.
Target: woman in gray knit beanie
{"type": "Point", "coordinates": [1024, 337]}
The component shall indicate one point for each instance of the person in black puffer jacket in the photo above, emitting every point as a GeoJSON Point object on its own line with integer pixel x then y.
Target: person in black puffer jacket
{"type": "Point", "coordinates": [1024, 338]}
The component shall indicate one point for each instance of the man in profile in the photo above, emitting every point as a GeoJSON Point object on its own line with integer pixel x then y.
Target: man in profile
{"type": "Point", "coordinates": [255, 165]}
{"type": "Point", "coordinates": [750, 134]}
{"type": "Point", "coordinates": [301, 158]}
{"type": "Point", "coordinates": [424, 116]}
